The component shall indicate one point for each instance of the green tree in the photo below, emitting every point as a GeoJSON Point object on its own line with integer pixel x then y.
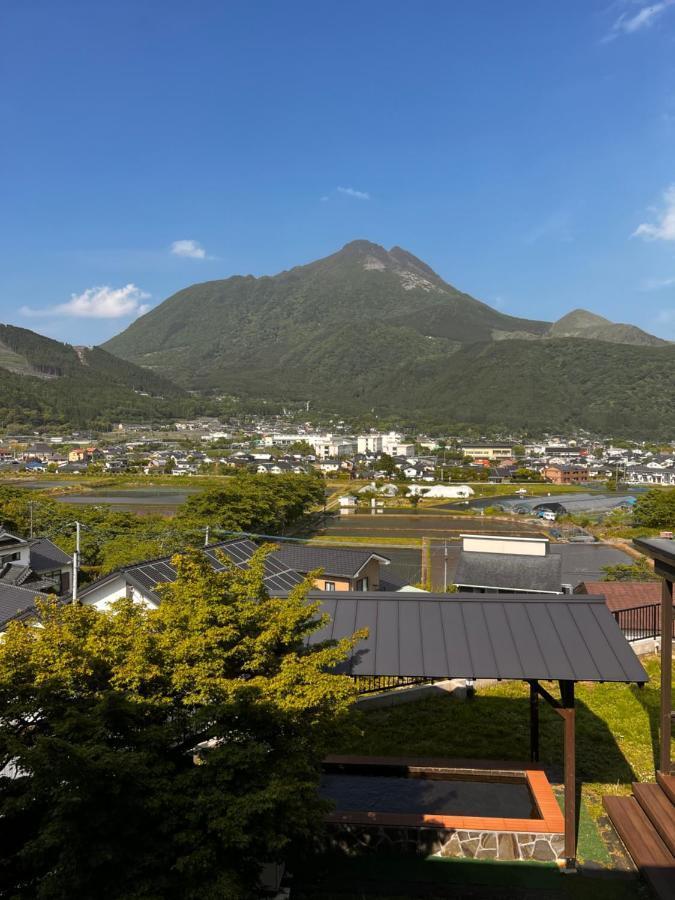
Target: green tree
{"type": "Point", "coordinates": [386, 463]}
{"type": "Point", "coordinates": [655, 509]}
{"type": "Point", "coordinates": [637, 571]}
{"type": "Point", "coordinates": [255, 503]}
{"type": "Point", "coordinates": [165, 753]}
{"type": "Point", "coordinates": [524, 474]}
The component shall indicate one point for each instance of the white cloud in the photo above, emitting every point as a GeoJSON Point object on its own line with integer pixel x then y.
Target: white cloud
{"type": "Point", "coordinates": [629, 24]}
{"type": "Point", "coordinates": [664, 228]}
{"type": "Point", "coordinates": [657, 284]}
{"type": "Point", "coordinates": [188, 249]}
{"type": "Point", "coordinates": [351, 192]}
{"type": "Point", "coordinates": [98, 303]}
{"type": "Point", "coordinates": [555, 227]}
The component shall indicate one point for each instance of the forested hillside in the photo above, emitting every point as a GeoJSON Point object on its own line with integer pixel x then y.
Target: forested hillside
{"type": "Point", "coordinates": [370, 330]}
{"type": "Point", "coordinates": [45, 382]}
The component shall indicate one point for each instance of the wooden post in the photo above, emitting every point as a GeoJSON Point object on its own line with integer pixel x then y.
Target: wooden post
{"type": "Point", "coordinates": [426, 574]}
{"type": "Point", "coordinates": [666, 674]}
{"type": "Point", "coordinates": [534, 722]}
{"type": "Point", "coordinates": [568, 714]}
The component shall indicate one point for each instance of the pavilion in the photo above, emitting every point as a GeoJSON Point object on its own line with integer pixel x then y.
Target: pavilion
{"type": "Point", "coordinates": [524, 637]}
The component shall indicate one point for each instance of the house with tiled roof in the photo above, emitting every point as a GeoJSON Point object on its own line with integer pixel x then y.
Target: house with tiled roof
{"type": "Point", "coordinates": [623, 594]}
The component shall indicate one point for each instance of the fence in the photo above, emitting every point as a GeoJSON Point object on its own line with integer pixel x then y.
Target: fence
{"type": "Point", "coordinates": [368, 684]}
{"type": "Point", "coordinates": [640, 622]}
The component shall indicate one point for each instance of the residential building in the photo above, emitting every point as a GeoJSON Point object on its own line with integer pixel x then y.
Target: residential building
{"type": "Point", "coordinates": [496, 564]}
{"type": "Point", "coordinates": [369, 443]}
{"type": "Point", "coordinates": [490, 452]}
{"type": "Point", "coordinates": [566, 474]}
{"type": "Point", "coordinates": [396, 445]}
{"type": "Point", "coordinates": [343, 570]}
{"type": "Point", "coordinates": [141, 580]}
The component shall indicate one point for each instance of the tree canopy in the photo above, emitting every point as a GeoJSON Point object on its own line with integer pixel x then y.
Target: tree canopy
{"type": "Point", "coordinates": [164, 753]}
{"type": "Point", "coordinates": [254, 503]}
{"type": "Point", "coordinates": [640, 570]}
{"type": "Point", "coordinates": [655, 509]}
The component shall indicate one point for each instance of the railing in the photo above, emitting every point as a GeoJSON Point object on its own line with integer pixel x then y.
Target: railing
{"type": "Point", "coordinates": [368, 684]}
{"type": "Point", "coordinates": [640, 622]}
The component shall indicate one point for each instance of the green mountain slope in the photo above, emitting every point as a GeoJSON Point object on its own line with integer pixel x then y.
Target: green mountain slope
{"type": "Point", "coordinates": [370, 329]}
{"type": "Point", "coordinates": [584, 324]}
{"type": "Point", "coordinates": [45, 382]}
{"type": "Point", "coordinates": [205, 334]}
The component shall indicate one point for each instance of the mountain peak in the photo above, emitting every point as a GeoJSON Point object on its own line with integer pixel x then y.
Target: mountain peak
{"type": "Point", "coordinates": [585, 324]}
{"type": "Point", "coordinates": [580, 318]}
{"type": "Point", "coordinates": [360, 247]}
{"type": "Point", "coordinates": [412, 271]}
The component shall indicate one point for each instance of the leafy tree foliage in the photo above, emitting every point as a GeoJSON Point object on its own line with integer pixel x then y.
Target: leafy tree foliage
{"type": "Point", "coordinates": [164, 753]}
{"type": "Point", "coordinates": [111, 538]}
{"type": "Point", "coordinates": [637, 571]}
{"type": "Point", "coordinates": [525, 474]}
{"type": "Point", "coordinates": [655, 509]}
{"type": "Point", "coordinates": [255, 503]}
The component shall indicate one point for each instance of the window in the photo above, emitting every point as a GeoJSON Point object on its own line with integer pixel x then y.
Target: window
{"type": "Point", "coordinates": [362, 584]}
{"type": "Point", "coordinates": [11, 557]}
{"type": "Point", "coordinates": [329, 585]}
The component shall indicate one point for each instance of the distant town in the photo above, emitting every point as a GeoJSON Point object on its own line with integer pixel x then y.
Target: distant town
{"type": "Point", "coordinates": [273, 445]}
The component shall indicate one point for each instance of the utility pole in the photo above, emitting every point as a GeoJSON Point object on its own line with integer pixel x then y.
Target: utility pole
{"type": "Point", "coordinates": [30, 507]}
{"type": "Point", "coordinates": [206, 536]}
{"type": "Point", "coordinates": [445, 566]}
{"type": "Point", "coordinates": [76, 560]}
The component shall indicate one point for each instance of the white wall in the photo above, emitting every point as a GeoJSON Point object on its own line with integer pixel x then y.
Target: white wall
{"type": "Point", "coordinates": [106, 594]}
{"type": "Point", "coordinates": [517, 546]}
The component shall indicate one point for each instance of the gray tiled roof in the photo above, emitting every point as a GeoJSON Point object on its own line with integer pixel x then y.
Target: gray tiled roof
{"type": "Point", "coordinates": [278, 576]}
{"type": "Point", "coordinates": [45, 556]}
{"type": "Point", "coordinates": [15, 601]}
{"type": "Point", "coordinates": [509, 571]}
{"type": "Point", "coordinates": [568, 638]}
{"type": "Point", "coordinates": [334, 561]}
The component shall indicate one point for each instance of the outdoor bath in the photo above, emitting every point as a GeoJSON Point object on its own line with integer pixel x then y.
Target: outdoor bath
{"type": "Point", "coordinates": [427, 807]}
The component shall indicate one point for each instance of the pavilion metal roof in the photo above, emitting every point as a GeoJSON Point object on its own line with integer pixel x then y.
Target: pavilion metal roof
{"type": "Point", "coordinates": [662, 551]}
{"type": "Point", "coordinates": [517, 636]}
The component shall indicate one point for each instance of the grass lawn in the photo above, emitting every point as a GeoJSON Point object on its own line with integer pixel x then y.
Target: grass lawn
{"type": "Point", "coordinates": [386, 878]}
{"type": "Point", "coordinates": [617, 731]}
{"type": "Point", "coordinates": [617, 743]}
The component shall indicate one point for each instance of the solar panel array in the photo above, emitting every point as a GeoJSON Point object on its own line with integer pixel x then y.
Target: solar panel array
{"type": "Point", "coordinates": [278, 577]}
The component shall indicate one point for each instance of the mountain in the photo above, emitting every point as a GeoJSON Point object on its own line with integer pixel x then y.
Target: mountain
{"type": "Point", "coordinates": [45, 382]}
{"type": "Point", "coordinates": [214, 334]}
{"type": "Point", "coordinates": [584, 324]}
{"type": "Point", "coordinates": [373, 329]}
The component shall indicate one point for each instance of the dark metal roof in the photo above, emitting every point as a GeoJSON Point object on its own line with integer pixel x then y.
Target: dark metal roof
{"type": "Point", "coordinates": [566, 638]}
{"type": "Point", "coordinates": [334, 561]}
{"type": "Point", "coordinates": [16, 602]}
{"type": "Point", "coordinates": [148, 575]}
{"type": "Point", "coordinates": [509, 571]}
{"type": "Point", "coordinates": [585, 562]}
{"type": "Point", "coordinates": [662, 551]}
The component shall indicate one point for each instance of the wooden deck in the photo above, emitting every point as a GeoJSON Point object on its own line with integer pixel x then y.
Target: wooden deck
{"type": "Point", "coordinates": [645, 823]}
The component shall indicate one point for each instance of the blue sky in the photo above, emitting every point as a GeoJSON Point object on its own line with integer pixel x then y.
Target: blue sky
{"type": "Point", "coordinates": [525, 150]}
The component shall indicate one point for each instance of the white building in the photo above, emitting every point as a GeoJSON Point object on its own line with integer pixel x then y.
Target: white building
{"type": "Point", "coordinates": [328, 446]}
{"type": "Point", "coordinates": [392, 443]}
{"type": "Point", "coordinates": [369, 443]}
{"type": "Point", "coordinates": [395, 445]}
{"type": "Point", "coordinates": [449, 491]}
